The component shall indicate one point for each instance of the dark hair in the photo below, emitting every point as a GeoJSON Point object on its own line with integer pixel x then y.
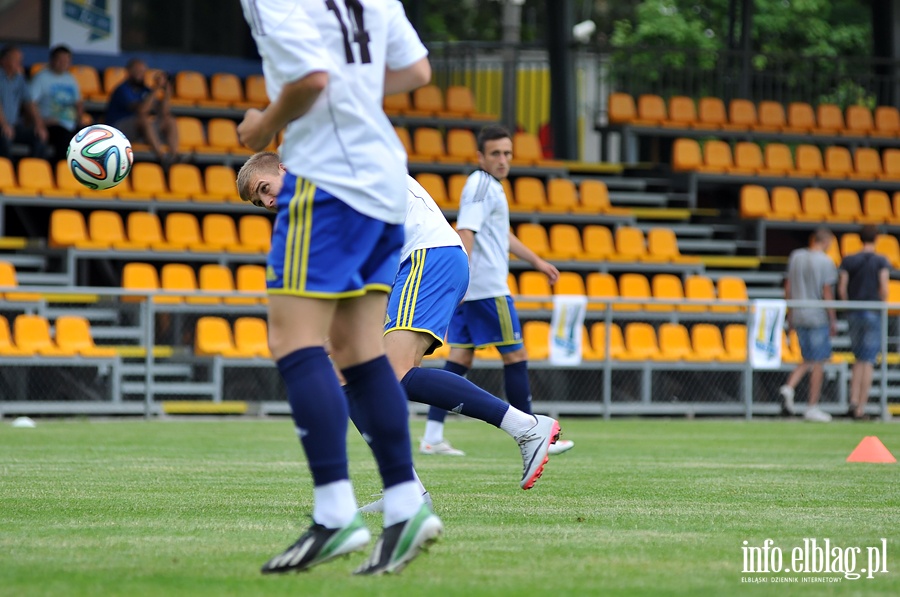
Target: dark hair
{"type": "Point", "coordinates": [132, 61]}
{"type": "Point", "coordinates": [822, 235]}
{"type": "Point", "coordinates": [491, 132]}
{"type": "Point", "coordinates": [868, 233]}
{"type": "Point", "coordinates": [60, 49]}
{"type": "Point", "coordinates": [7, 50]}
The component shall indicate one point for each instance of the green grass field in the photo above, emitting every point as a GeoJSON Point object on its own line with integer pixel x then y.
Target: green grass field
{"type": "Point", "coordinates": [643, 507]}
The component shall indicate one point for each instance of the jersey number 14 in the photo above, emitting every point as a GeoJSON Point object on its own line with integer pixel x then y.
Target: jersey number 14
{"type": "Point", "coordinates": [360, 35]}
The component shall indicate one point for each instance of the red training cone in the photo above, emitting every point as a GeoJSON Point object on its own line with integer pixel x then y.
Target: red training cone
{"type": "Point", "coordinates": [870, 449]}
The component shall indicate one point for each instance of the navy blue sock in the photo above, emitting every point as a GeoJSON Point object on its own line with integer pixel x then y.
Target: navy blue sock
{"type": "Point", "coordinates": [439, 414]}
{"type": "Point", "coordinates": [518, 390]}
{"type": "Point", "coordinates": [451, 392]}
{"type": "Point", "coordinates": [381, 404]}
{"type": "Point", "coordinates": [319, 409]}
{"type": "Point", "coordinates": [357, 416]}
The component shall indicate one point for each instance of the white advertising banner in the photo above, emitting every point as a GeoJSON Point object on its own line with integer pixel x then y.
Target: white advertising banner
{"type": "Point", "coordinates": [86, 25]}
{"type": "Point", "coordinates": [566, 328]}
{"type": "Point", "coordinates": [764, 335]}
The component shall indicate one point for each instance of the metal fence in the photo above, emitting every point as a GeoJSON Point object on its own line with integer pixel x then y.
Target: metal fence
{"type": "Point", "coordinates": [157, 363]}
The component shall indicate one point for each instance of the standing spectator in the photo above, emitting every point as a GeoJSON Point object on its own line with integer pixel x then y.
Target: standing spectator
{"type": "Point", "coordinates": [142, 114]}
{"type": "Point", "coordinates": [811, 275]}
{"type": "Point", "coordinates": [58, 98]}
{"type": "Point", "coordinates": [863, 276]}
{"type": "Point", "coordinates": [15, 98]}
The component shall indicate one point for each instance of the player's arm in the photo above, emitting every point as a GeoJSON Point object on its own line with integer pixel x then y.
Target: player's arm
{"type": "Point", "coordinates": [468, 240]}
{"type": "Point", "coordinates": [828, 295]}
{"type": "Point", "coordinates": [406, 79]}
{"type": "Point", "coordinates": [518, 248]}
{"type": "Point", "coordinates": [843, 280]}
{"type": "Point", "coordinates": [884, 275]}
{"type": "Point", "coordinates": [296, 98]}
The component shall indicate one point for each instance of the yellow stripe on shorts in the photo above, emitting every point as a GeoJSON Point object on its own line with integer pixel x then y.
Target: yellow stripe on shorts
{"type": "Point", "coordinates": [415, 290]}
{"type": "Point", "coordinates": [408, 289]}
{"type": "Point", "coordinates": [296, 251]}
{"type": "Point", "coordinates": [506, 328]}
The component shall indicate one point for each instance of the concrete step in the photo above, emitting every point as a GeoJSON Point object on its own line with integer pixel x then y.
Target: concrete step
{"type": "Point", "coordinates": [26, 278]}
{"type": "Point", "coordinates": [625, 199]}
{"type": "Point", "coordinates": [170, 388]}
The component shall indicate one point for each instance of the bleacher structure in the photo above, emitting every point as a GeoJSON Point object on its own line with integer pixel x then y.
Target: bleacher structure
{"type": "Point", "coordinates": [149, 297]}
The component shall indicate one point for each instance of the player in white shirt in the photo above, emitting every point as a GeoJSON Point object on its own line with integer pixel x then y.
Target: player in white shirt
{"type": "Point", "coordinates": [335, 249]}
{"type": "Point", "coordinates": [430, 284]}
{"type": "Point", "coordinates": [487, 317]}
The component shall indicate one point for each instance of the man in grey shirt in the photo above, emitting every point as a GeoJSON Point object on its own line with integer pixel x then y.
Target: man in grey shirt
{"type": "Point", "coordinates": [14, 99]}
{"type": "Point", "coordinates": [811, 277]}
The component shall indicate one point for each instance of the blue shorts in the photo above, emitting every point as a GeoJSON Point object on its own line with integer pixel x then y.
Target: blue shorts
{"type": "Point", "coordinates": [430, 285]}
{"type": "Point", "coordinates": [486, 322]}
{"type": "Point", "coordinates": [865, 335]}
{"type": "Point", "coordinates": [815, 344]}
{"type": "Point", "coordinates": [323, 248]}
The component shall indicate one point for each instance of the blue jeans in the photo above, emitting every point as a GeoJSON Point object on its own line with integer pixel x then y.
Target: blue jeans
{"type": "Point", "coordinates": [865, 335]}
{"type": "Point", "coordinates": [815, 343]}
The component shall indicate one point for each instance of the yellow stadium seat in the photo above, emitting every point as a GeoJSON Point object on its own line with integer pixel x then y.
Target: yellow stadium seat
{"type": "Point", "coordinates": [561, 195]}
{"type": "Point", "coordinates": [748, 159]}
{"type": "Point", "coordinates": [178, 277]}
{"type": "Point", "coordinates": [662, 245]}
{"type": "Point", "coordinates": [526, 150]}
{"type": "Point", "coordinates": [534, 236]}
{"type": "Point", "coordinates": [255, 233]}
{"type": "Point", "coordinates": [630, 244]}
{"type": "Point", "coordinates": [67, 186]}
{"type": "Point", "coordinates": [428, 101]}
{"type": "Point", "coordinates": [866, 164]}
{"type": "Point", "coordinates": [731, 288]}
{"type": "Point", "coordinates": [600, 286]}
{"type": "Point", "coordinates": [742, 112]}
{"type": "Point", "coordinates": [139, 276]}
{"type": "Point", "coordinates": [529, 193]}
{"type": "Point", "coordinates": [397, 104]}
{"type": "Point", "coordinates": [674, 342]}
{"type": "Point", "coordinates": [220, 234]}
{"type": "Point", "coordinates": [594, 198]}
{"type": "Point", "coordinates": [686, 155]}
{"type": "Point", "coordinates": [569, 283]}
{"type": "Point", "coordinates": [877, 207]}
{"type": "Point", "coordinates": [8, 278]}
{"type": "Point", "coordinates": [755, 202]}
{"type": "Point", "coordinates": [777, 159]}
{"type": "Point", "coordinates": [698, 288]}
{"type": "Point", "coordinates": [829, 120]}
{"type": "Point", "coordinates": [219, 184]}
{"type": "Point", "coordinates": [455, 185]}
{"type": "Point", "coordinates": [816, 205]}
{"type": "Point", "coordinates": [251, 278]}
{"type": "Point", "coordinates": [226, 89]}
{"type": "Point", "coordinates": [771, 117]}
{"type": "Point", "coordinates": [7, 348]}
{"type": "Point", "coordinates": [460, 103]}
{"type": "Point", "coordinates": [808, 161]}
{"type": "Point", "coordinates": [428, 144]}
{"type": "Point", "coordinates": [191, 90]}
{"type": "Point", "coordinates": [887, 245]}
{"type": "Point", "coordinates": [838, 163]}
{"type": "Point", "coordinates": [621, 109]}
{"type": "Point", "coordinates": [565, 242]}
{"type": "Point", "coordinates": [887, 122]}
{"type": "Point", "coordinates": [846, 206]}
{"type": "Point", "coordinates": [68, 229]}
{"type": "Point", "coordinates": [616, 341]}
{"type": "Point", "coordinates": [35, 174]}
{"type": "Point", "coordinates": [88, 81]}
{"type": "Point", "coordinates": [255, 91]}
{"type": "Point", "coordinates": [706, 340]}
{"type": "Point", "coordinates": [640, 342]}
{"type": "Point", "coordinates": [512, 283]}
{"type": "Point", "coordinates": [212, 337]}
{"type": "Point", "coordinates": [215, 278]}
{"type": "Point", "coordinates": [144, 228]}
{"type": "Point", "coordinates": [666, 287]}
{"type": "Point", "coordinates": [73, 335]}
{"type": "Point", "coordinates": [185, 181]}
{"type": "Point", "coordinates": [106, 230]}
{"type": "Point", "coordinates": [184, 229]}
{"type": "Point", "coordinates": [849, 243]}
{"type": "Point", "coordinates": [716, 157]}
{"type": "Point", "coordinates": [534, 284]}
{"type": "Point", "coordinates": [461, 146]}
{"type": "Point", "coordinates": [222, 137]}
{"type": "Point", "coordinates": [434, 185]}
{"type": "Point", "coordinates": [736, 342]}
{"type": "Point", "coordinates": [191, 136]}
{"type": "Point", "coordinates": [891, 165]}
{"type": "Point", "coordinates": [32, 337]}
{"type": "Point", "coordinates": [635, 288]}
{"type": "Point", "coordinates": [859, 121]}
{"type": "Point", "coordinates": [598, 243]}
{"type": "Point", "coordinates": [801, 118]}
{"type": "Point", "coordinates": [786, 204]}
{"type": "Point", "coordinates": [8, 184]}
{"type": "Point", "coordinates": [251, 337]}
{"type": "Point", "coordinates": [149, 182]}
{"type": "Point", "coordinates": [651, 109]}
{"type": "Point", "coordinates": [711, 113]}
{"type": "Point", "coordinates": [682, 112]}
{"type": "Point", "coordinates": [536, 337]}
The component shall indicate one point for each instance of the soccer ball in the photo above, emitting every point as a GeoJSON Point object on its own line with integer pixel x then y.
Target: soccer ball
{"type": "Point", "coordinates": [100, 156]}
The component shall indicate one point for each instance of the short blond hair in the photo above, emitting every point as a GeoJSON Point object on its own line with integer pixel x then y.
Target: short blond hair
{"type": "Point", "coordinates": [264, 161]}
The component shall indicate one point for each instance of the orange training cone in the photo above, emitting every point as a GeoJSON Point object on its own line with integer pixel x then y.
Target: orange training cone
{"type": "Point", "coordinates": [870, 449]}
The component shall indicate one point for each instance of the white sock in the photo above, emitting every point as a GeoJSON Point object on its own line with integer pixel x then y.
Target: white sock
{"type": "Point", "coordinates": [419, 481]}
{"type": "Point", "coordinates": [515, 422]}
{"type": "Point", "coordinates": [434, 432]}
{"type": "Point", "coordinates": [335, 506]}
{"type": "Point", "coordinates": [401, 502]}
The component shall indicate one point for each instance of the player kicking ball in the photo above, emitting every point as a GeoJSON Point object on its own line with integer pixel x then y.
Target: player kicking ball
{"type": "Point", "coordinates": [431, 282]}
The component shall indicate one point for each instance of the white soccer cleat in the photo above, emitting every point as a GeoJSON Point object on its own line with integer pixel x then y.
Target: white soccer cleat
{"type": "Point", "coordinates": [787, 400]}
{"type": "Point", "coordinates": [534, 445]}
{"type": "Point", "coordinates": [442, 448]}
{"type": "Point", "coordinates": [561, 445]}
{"type": "Point", "coordinates": [816, 415]}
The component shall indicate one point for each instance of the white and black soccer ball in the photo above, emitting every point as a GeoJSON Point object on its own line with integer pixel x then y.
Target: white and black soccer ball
{"type": "Point", "coordinates": [100, 156]}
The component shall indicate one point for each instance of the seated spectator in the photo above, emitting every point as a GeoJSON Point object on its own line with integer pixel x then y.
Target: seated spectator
{"type": "Point", "coordinates": [141, 113]}
{"type": "Point", "coordinates": [15, 98]}
{"type": "Point", "coordinates": [58, 98]}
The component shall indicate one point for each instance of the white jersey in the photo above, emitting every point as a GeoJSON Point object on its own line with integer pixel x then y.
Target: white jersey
{"type": "Point", "coordinates": [484, 210]}
{"type": "Point", "coordinates": [425, 226]}
{"type": "Point", "coordinates": [344, 144]}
